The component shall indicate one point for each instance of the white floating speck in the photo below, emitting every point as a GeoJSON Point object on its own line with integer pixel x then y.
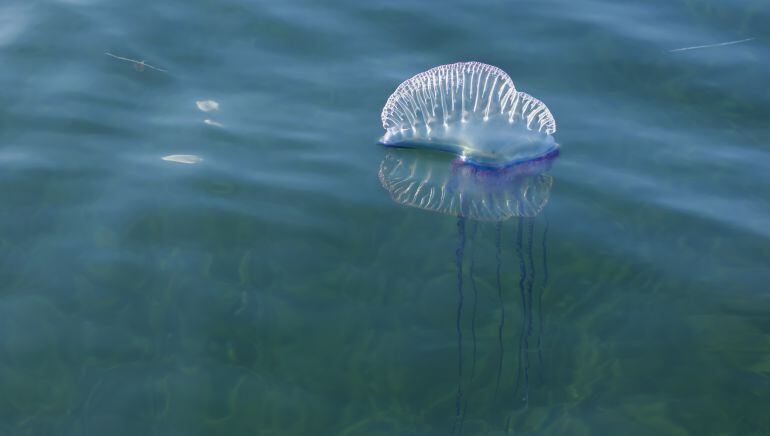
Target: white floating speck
{"type": "Point", "coordinates": [183, 158]}
{"type": "Point", "coordinates": [212, 123]}
{"type": "Point", "coordinates": [207, 105]}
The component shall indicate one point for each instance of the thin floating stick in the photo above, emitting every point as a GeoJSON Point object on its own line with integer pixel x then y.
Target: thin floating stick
{"type": "Point", "coordinates": [139, 64]}
{"type": "Point", "coordinates": [712, 45]}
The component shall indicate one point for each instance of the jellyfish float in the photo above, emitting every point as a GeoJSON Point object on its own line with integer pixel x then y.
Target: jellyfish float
{"type": "Point", "coordinates": [462, 141]}
{"type": "Point", "coordinates": [472, 110]}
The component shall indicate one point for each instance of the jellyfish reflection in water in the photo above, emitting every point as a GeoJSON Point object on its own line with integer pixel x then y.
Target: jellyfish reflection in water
{"type": "Point", "coordinates": [464, 142]}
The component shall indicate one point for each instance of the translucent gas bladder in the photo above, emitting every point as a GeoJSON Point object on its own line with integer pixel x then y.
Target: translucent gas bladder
{"type": "Point", "coordinates": [470, 109]}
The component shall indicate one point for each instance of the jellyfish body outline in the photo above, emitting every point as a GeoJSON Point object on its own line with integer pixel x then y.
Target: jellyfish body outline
{"type": "Point", "coordinates": [472, 110]}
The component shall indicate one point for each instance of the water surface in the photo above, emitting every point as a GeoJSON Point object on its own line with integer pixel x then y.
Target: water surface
{"type": "Point", "coordinates": [272, 287]}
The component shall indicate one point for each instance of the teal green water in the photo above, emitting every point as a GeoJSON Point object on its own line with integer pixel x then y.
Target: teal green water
{"type": "Point", "coordinates": [275, 288]}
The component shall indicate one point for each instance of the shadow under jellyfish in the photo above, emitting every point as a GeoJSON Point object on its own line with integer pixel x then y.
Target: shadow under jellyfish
{"type": "Point", "coordinates": [463, 141]}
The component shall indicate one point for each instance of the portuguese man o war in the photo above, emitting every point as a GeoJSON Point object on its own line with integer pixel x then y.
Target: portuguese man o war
{"type": "Point", "coordinates": [472, 110]}
{"type": "Point", "coordinates": [500, 147]}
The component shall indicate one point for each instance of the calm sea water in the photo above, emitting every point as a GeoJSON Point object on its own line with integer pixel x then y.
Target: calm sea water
{"type": "Point", "coordinates": [274, 288]}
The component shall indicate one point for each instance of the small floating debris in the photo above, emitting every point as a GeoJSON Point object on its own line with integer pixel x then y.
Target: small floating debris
{"type": "Point", "coordinates": [207, 105]}
{"type": "Point", "coordinates": [212, 123]}
{"type": "Point", "coordinates": [138, 65]}
{"type": "Point", "coordinates": [183, 158]}
{"type": "Point", "coordinates": [721, 44]}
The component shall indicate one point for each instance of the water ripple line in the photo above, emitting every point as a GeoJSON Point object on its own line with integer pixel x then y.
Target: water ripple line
{"type": "Point", "coordinates": [720, 44]}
